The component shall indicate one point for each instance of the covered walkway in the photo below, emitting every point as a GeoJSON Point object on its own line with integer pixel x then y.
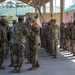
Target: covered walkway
{"type": "Point", "coordinates": [63, 65]}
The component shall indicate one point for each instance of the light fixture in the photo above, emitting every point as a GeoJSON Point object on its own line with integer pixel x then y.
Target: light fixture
{"type": "Point", "coordinates": [30, 1]}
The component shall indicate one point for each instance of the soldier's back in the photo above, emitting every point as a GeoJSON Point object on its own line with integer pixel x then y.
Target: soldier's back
{"type": "Point", "coordinates": [18, 33]}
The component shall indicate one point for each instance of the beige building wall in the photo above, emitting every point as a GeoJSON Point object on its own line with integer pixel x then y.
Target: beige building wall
{"type": "Point", "coordinates": [47, 17]}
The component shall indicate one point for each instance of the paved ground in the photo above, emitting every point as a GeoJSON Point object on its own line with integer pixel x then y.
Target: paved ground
{"type": "Point", "coordinates": [63, 65]}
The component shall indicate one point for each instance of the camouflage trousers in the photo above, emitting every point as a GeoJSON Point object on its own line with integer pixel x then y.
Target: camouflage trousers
{"type": "Point", "coordinates": [48, 47]}
{"type": "Point", "coordinates": [34, 54]}
{"type": "Point", "coordinates": [26, 48]}
{"type": "Point", "coordinates": [68, 45]}
{"type": "Point", "coordinates": [73, 47]}
{"type": "Point", "coordinates": [1, 55]}
{"type": "Point", "coordinates": [42, 42]}
{"type": "Point", "coordinates": [54, 44]}
{"type": "Point", "coordinates": [6, 50]}
{"type": "Point", "coordinates": [17, 54]}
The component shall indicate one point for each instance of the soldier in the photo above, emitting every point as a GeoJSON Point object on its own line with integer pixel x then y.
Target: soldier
{"type": "Point", "coordinates": [54, 38]}
{"type": "Point", "coordinates": [27, 51]}
{"type": "Point", "coordinates": [9, 39]}
{"type": "Point", "coordinates": [4, 26]}
{"type": "Point", "coordinates": [33, 44]}
{"type": "Point", "coordinates": [68, 35]}
{"type": "Point", "coordinates": [2, 43]}
{"type": "Point", "coordinates": [19, 34]}
{"type": "Point", "coordinates": [41, 35]}
{"type": "Point", "coordinates": [62, 35]}
{"type": "Point", "coordinates": [73, 38]}
{"type": "Point", "coordinates": [71, 44]}
{"type": "Point", "coordinates": [47, 38]}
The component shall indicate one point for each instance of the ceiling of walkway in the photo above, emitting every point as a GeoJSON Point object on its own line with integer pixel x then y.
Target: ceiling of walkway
{"type": "Point", "coordinates": [1, 1]}
{"type": "Point", "coordinates": [33, 3]}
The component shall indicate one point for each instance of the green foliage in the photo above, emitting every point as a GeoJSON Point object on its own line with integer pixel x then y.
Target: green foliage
{"type": "Point", "coordinates": [10, 18]}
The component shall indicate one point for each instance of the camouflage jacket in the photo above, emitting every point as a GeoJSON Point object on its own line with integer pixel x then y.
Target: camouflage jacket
{"type": "Point", "coordinates": [2, 36]}
{"type": "Point", "coordinates": [19, 33]}
{"type": "Point", "coordinates": [62, 32]}
{"type": "Point", "coordinates": [73, 32]}
{"type": "Point", "coordinates": [54, 32]}
{"type": "Point", "coordinates": [33, 38]}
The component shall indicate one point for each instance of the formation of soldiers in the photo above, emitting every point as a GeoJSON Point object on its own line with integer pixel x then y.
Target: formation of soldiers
{"type": "Point", "coordinates": [16, 37]}
{"type": "Point", "coordinates": [67, 36]}
{"type": "Point", "coordinates": [53, 35]}
{"type": "Point", "coordinates": [21, 40]}
{"type": "Point", "coordinates": [50, 36]}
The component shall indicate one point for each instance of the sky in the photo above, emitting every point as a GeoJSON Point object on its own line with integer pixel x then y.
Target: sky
{"type": "Point", "coordinates": [67, 2]}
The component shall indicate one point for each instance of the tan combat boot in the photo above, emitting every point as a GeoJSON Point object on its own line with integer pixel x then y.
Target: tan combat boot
{"type": "Point", "coordinates": [33, 67]}
{"type": "Point", "coordinates": [20, 70]}
{"type": "Point", "coordinates": [2, 68]}
{"type": "Point", "coordinates": [37, 65]}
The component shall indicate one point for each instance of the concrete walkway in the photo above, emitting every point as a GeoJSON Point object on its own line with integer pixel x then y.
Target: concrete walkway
{"type": "Point", "coordinates": [63, 65]}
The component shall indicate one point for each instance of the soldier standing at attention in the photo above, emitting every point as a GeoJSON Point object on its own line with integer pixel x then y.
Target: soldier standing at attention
{"type": "Point", "coordinates": [54, 38]}
{"type": "Point", "coordinates": [73, 38]}
{"type": "Point", "coordinates": [2, 43]}
{"type": "Point", "coordinates": [4, 27]}
{"type": "Point", "coordinates": [19, 34]}
{"type": "Point", "coordinates": [62, 35]}
{"type": "Point", "coordinates": [33, 45]}
{"type": "Point", "coordinates": [10, 43]}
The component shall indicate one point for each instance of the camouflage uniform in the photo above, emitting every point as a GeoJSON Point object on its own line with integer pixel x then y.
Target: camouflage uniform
{"type": "Point", "coordinates": [42, 36]}
{"type": "Point", "coordinates": [47, 39]}
{"type": "Point", "coordinates": [72, 43]}
{"type": "Point", "coordinates": [33, 44]}
{"type": "Point", "coordinates": [68, 40]}
{"type": "Point", "coordinates": [73, 40]}
{"type": "Point", "coordinates": [54, 37]}
{"type": "Point", "coordinates": [2, 38]}
{"type": "Point", "coordinates": [62, 37]}
{"type": "Point", "coordinates": [5, 43]}
{"type": "Point", "coordinates": [18, 40]}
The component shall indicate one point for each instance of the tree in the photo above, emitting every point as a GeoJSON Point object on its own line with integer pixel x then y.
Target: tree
{"type": "Point", "coordinates": [10, 18]}
{"type": "Point", "coordinates": [9, 4]}
{"type": "Point", "coordinates": [73, 2]}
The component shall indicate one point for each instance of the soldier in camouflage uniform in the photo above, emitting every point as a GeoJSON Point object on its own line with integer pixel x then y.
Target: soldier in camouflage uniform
{"type": "Point", "coordinates": [47, 38]}
{"type": "Point", "coordinates": [71, 44]}
{"type": "Point", "coordinates": [2, 43]}
{"type": "Point", "coordinates": [62, 36]}
{"type": "Point", "coordinates": [5, 28]}
{"type": "Point", "coordinates": [10, 43]}
{"type": "Point", "coordinates": [41, 35]}
{"type": "Point", "coordinates": [33, 45]}
{"type": "Point", "coordinates": [27, 51]}
{"type": "Point", "coordinates": [19, 37]}
{"type": "Point", "coordinates": [54, 38]}
{"type": "Point", "coordinates": [73, 38]}
{"type": "Point", "coordinates": [68, 35]}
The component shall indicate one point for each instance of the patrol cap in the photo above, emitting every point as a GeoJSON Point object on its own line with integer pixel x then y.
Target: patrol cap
{"type": "Point", "coordinates": [54, 20]}
{"type": "Point", "coordinates": [51, 20]}
{"type": "Point", "coordinates": [20, 18]}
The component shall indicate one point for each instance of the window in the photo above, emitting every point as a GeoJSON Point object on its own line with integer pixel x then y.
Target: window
{"type": "Point", "coordinates": [67, 13]}
{"type": "Point", "coordinates": [74, 15]}
{"type": "Point", "coordinates": [71, 16]}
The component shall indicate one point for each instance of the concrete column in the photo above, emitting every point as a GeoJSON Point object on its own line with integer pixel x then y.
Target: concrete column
{"type": "Point", "coordinates": [44, 9]}
{"type": "Point", "coordinates": [36, 10]}
{"type": "Point", "coordinates": [62, 10]}
{"type": "Point", "coordinates": [51, 6]}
